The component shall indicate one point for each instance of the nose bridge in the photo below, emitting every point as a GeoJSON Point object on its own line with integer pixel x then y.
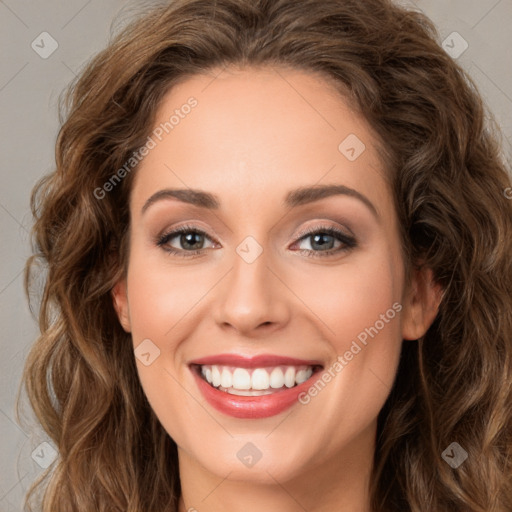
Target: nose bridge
{"type": "Point", "coordinates": [251, 295]}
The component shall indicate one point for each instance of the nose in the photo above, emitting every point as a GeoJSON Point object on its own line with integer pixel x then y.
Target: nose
{"type": "Point", "coordinates": [253, 299]}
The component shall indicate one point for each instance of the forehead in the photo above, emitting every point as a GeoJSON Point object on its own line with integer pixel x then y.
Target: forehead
{"type": "Point", "coordinates": [261, 129]}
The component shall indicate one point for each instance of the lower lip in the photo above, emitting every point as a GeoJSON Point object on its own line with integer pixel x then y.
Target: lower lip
{"type": "Point", "coordinates": [251, 407]}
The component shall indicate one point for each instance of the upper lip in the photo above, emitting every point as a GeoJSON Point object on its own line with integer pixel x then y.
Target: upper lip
{"type": "Point", "coordinates": [256, 361]}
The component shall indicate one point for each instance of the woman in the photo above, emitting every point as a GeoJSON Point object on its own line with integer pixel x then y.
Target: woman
{"type": "Point", "coordinates": [278, 253]}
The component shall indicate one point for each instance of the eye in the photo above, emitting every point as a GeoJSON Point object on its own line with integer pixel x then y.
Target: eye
{"type": "Point", "coordinates": [322, 241]}
{"type": "Point", "coordinates": [189, 238]}
{"type": "Point", "coordinates": [326, 241]}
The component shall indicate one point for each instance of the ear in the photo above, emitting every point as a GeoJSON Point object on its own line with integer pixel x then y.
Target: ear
{"type": "Point", "coordinates": [120, 300]}
{"type": "Point", "coordinates": [421, 303]}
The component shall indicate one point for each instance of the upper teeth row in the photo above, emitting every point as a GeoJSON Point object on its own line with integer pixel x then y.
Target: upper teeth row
{"type": "Point", "coordinates": [257, 378]}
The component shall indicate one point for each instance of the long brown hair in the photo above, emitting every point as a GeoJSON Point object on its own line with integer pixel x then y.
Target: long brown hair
{"type": "Point", "coordinates": [450, 190]}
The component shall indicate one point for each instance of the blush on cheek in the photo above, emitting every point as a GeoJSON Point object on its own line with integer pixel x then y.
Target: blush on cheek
{"type": "Point", "coordinates": [349, 302]}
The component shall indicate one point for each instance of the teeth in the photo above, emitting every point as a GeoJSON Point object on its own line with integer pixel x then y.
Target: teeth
{"type": "Point", "coordinates": [276, 378]}
{"type": "Point", "coordinates": [241, 379]}
{"type": "Point", "coordinates": [250, 392]}
{"type": "Point", "coordinates": [289, 377]}
{"type": "Point", "coordinates": [226, 379]}
{"type": "Point", "coordinates": [302, 376]}
{"type": "Point", "coordinates": [260, 379]}
{"type": "Point", "coordinates": [257, 381]}
{"type": "Point", "coordinates": [215, 376]}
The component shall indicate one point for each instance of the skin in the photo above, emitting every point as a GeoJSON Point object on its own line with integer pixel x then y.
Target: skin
{"type": "Point", "coordinates": [255, 135]}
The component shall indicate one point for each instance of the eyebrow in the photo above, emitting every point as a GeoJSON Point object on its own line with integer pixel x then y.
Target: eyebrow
{"type": "Point", "coordinates": [294, 198]}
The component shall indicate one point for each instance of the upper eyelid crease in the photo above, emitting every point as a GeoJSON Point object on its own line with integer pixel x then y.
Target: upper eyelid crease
{"type": "Point", "coordinates": [294, 198]}
{"type": "Point", "coordinates": [304, 233]}
{"type": "Point", "coordinates": [349, 241]}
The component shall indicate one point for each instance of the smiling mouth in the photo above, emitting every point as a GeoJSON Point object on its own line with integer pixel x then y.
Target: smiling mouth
{"type": "Point", "coordinates": [255, 381]}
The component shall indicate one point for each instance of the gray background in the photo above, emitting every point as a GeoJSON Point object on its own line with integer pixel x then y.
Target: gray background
{"type": "Point", "coordinates": [29, 89]}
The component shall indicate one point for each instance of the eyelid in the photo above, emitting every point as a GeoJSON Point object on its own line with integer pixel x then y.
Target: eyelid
{"type": "Point", "coordinates": [186, 228]}
{"type": "Point", "coordinates": [323, 227]}
{"type": "Point", "coordinates": [348, 241]}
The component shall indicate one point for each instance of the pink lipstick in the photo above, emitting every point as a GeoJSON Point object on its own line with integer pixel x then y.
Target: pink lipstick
{"type": "Point", "coordinates": [252, 387]}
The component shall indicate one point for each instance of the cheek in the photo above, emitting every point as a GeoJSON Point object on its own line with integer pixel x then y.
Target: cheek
{"type": "Point", "coordinates": [162, 302]}
{"type": "Point", "coordinates": [353, 296]}
{"type": "Point", "coordinates": [359, 307]}
{"type": "Point", "coordinates": [159, 301]}
{"type": "Point", "coordinates": [160, 296]}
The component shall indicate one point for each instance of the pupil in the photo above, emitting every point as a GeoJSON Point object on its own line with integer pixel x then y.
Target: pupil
{"type": "Point", "coordinates": [318, 237]}
{"type": "Point", "coordinates": [187, 240]}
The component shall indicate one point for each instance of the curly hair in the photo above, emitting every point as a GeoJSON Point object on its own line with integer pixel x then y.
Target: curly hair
{"type": "Point", "coordinates": [442, 148]}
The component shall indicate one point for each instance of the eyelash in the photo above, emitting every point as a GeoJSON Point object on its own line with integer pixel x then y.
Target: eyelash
{"type": "Point", "coordinates": [348, 241]}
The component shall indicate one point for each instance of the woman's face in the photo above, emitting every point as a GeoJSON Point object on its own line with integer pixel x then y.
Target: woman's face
{"type": "Point", "coordinates": [288, 271]}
